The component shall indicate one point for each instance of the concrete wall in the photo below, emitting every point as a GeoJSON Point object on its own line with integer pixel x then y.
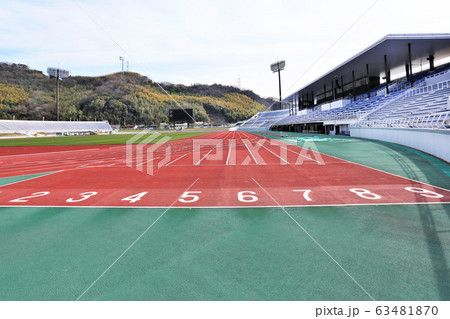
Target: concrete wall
{"type": "Point", "coordinates": [434, 142]}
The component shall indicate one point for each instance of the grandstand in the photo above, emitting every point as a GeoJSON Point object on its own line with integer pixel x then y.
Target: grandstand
{"type": "Point", "coordinates": [386, 86]}
{"type": "Point", "coordinates": [405, 102]}
{"type": "Point", "coordinates": [263, 120]}
{"type": "Point", "coordinates": [423, 102]}
{"type": "Point", "coordinates": [360, 92]}
{"type": "Point", "coordinates": [53, 127]}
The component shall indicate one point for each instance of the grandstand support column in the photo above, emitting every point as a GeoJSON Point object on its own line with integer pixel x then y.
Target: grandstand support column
{"type": "Point", "coordinates": [342, 86]}
{"type": "Point", "coordinates": [367, 80]}
{"type": "Point", "coordinates": [386, 72]}
{"type": "Point", "coordinates": [334, 90]}
{"type": "Point", "coordinates": [410, 60]}
{"type": "Point", "coordinates": [353, 84]}
{"type": "Point", "coordinates": [407, 71]}
{"type": "Point", "coordinates": [431, 60]}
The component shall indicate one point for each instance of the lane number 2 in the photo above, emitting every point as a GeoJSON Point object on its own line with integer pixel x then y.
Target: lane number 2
{"type": "Point", "coordinates": [26, 198]}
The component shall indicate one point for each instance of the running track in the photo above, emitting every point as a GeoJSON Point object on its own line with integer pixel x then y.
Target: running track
{"type": "Point", "coordinates": [221, 169]}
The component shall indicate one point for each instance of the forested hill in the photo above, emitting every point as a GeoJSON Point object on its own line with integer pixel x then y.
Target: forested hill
{"type": "Point", "coordinates": [130, 98]}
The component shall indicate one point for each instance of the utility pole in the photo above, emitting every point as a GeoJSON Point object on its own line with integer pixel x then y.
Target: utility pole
{"type": "Point", "coordinates": [122, 59]}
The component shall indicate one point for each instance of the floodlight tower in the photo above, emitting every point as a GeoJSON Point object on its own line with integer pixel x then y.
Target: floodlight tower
{"type": "Point", "coordinates": [277, 67]}
{"type": "Point", "coordinates": [59, 74]}
{"type": "Point", "coordinates": [121, 58]}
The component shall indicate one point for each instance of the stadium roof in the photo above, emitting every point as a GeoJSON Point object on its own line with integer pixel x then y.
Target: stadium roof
{"type": "Point", "coordinates": [395, 47]}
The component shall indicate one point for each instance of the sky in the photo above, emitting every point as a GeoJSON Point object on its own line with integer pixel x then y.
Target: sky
{"type": "Point", "coordinates": [209, 42]}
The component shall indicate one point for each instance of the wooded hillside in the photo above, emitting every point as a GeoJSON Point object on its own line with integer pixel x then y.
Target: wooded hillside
{"type": "Point", "coordinates": [121, 99]}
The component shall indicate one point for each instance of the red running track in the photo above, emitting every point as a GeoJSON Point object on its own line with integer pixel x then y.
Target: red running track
{"type": "Point", "coordinates": [221, 169]}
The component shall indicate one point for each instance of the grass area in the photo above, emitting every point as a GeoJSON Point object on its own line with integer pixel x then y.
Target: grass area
{"type": "Point", "coordinates": [91, 139]}
{"type": "Point", "coordinates": [394, 252]}
{"type": "Point", "coordinates": [185, 129]}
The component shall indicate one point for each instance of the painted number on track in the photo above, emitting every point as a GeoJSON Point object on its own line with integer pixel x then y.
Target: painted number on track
{"type": "Point", "coordinates": [364, 193]}
{"type": "Point", "coordinates": [134, 198]}
{"type": "Point", "coordinates": [189, 197]}
{"type": "Point", "coordinates": [247, 197]}
{"type": "Point", "coordinates": [26, 198]}
{"type": "Point", "coordinates": [424, 192]}
{"type": "Point", "coordinates": [306, 193]}
{"type": "Point", "coordinates": [84, 196]}
{"type": "Point", "coordinates": [242, 196]}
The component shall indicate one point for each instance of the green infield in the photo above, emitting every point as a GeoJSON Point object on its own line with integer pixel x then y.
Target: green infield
{"type": "Point", "coordinates": [394, 252]}
{"type": "Point", "coordinates": [111, 139]}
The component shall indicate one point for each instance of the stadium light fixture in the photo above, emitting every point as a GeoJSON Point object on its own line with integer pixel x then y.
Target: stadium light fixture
{"type": "Point", "coordinates": [59, 74]}
{"type": "Point", "coordinates": [277, 67]}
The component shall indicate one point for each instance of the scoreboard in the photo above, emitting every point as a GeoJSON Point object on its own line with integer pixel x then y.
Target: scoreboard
{"type": "Point", "coordinates": [181, 115]}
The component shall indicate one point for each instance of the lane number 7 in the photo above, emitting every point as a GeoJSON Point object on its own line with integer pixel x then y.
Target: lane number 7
{"type": "Point", "coordinates": [305, 193]}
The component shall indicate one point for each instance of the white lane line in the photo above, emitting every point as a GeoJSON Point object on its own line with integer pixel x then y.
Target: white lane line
{"type": "Point", "coordinates": [176, 159]}
{"type": "Point", "coordinates": [251, 154]}
{"type": "Point", "coordinates": [316, 242]}
{"type": "Point", "coordinates": [237, 206]}
{"type": "Point", "coordinates": [228, 157]}
{"type": "Point", "coordinates": [379, 170]}
{"type": "Point", "coordinates": [134, 242]}
{"type": "Point", "coordinates": [252, 136]}
{"type": "Point", "coordinates": [307, 157]}
{"type": "Point", "coordinates": [226, 133]}
{"type": "Point", "coordinates": [275, 154]}
{"type": "Point", "coordinates": [231, 149]}
{"type": "Point", "coordinates": [89, 149]}
{"type": "Point", "coordinates": [204, 156]}
{"type": "Point", "coordinates": [153, 158]}
{"type": "Point", "coordinates": [344, 161]}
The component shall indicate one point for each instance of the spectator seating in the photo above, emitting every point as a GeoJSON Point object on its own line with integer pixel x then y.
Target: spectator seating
{"type": "Point", "coordinates": [50, 127]}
